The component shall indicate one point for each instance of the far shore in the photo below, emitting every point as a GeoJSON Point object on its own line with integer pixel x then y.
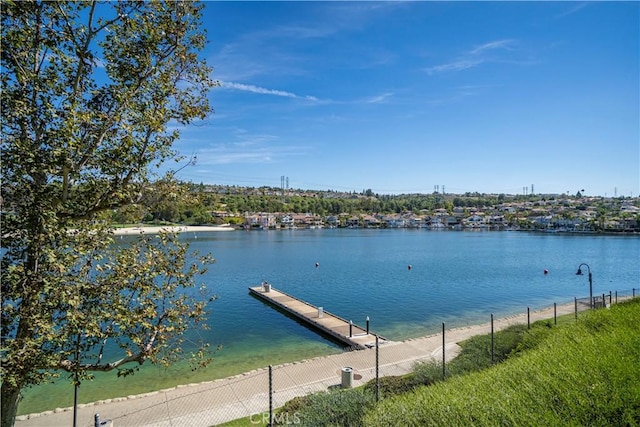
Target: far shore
{"type": "Point", "coordinates": [123, 231]}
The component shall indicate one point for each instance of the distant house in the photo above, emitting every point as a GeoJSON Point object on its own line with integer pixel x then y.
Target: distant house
{"type": "Point", "coordinates": [416, 222]}
{"type": "Point", "coordinates": [541, 221]}
{"type": "Point", "coordinates": [353, 222]}
{"type": "Point", "coordinates": [370, 221]}
{"type": "Point", "coordinates": [286, 221]}
{"type": "Point", "coordinates": [474, 221]}
{"type": "Point", "coordinates": [630, 224]}
{"type": "Point", "coordinates": [316, 221]}
{"type": "Point", "coordinates": [629, 208]}
{"type": "Point", "coordinates": [261, 220]}
{"type": "Point", "coordinates": [307, 221]}
{"type": "Point", "coordinates": [393, 221]}
{"type": "Point", "coordinates": [496, 220]}
{"type": "Point", "coordinates": [450, 221]}
{"type": "Point", "coordinates": [458, 210]}
{"type": "Point", "coordinates": [436, 222]}
{"type": "Point", "coordinates": [251, 221]}
{"type": "Point", "coordinates": [332, 221]}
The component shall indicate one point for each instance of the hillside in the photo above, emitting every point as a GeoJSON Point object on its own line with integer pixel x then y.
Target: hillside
{"type": "Point", "coordinates": [587, 373]}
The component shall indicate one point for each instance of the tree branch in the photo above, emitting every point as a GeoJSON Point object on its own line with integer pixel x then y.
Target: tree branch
{"type": "Point", "coordinates": [71, 366]}
{"type": "Point", "coordinates": [140, 357]}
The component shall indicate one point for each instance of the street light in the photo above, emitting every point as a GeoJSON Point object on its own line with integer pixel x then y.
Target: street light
{"type": "Point", "coordinates": [579, 273]}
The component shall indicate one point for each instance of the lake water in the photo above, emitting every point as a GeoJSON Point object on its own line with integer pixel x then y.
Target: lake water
{"type": "Point", "coordinates": [459, 278]}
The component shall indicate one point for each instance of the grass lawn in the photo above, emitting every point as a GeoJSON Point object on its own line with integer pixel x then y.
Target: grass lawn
{"type": "Point", "coordinates": [584, 372]}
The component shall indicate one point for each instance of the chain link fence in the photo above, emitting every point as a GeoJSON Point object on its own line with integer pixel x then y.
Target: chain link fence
{"type": "Point", "coordinates": [256, 394]}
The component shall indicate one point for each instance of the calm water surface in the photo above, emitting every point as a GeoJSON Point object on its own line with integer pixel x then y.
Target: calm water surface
{"type": "Point", "coordinates": [459, 278]}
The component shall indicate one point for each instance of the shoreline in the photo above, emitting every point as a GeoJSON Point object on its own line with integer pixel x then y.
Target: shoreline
{"type": "Point", "coordinates": [124, 231]}
{"type": "Point", "coordinates": [431, 345]}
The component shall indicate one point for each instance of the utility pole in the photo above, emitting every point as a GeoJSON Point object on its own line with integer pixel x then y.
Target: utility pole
{"type": "Point", "coordinates": [282, 186]}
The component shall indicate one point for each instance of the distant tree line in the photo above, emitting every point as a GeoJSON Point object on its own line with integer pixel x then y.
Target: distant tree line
{"type": "Point", "coordinates": [196, 204]}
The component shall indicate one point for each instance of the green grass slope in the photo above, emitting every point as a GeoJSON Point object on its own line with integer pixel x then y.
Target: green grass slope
{"type": "Point", "coordinates": [586, 374]}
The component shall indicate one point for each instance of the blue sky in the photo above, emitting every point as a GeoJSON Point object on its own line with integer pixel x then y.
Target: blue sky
{"type": "Point", "coordinates": [399, 97]}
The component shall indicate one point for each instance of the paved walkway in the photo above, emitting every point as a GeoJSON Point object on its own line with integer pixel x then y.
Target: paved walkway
{"type": "Point", "coordinates": [210, 403]}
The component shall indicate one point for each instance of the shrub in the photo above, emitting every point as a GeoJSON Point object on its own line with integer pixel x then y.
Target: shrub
{"type": "Point", "coordinates": [428, 372]}
{"type": "Point", "coordinates": [392, 385]}
{"type": "Point", "coordinates": [476, 351]}
{"type": "Point", "coordinates": [335, 408]}
{"type": "Point", "coordinates": [294, 405]}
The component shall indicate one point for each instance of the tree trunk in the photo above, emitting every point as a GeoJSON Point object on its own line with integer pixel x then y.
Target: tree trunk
{"type": "Point", "coordinates": [10, 396]}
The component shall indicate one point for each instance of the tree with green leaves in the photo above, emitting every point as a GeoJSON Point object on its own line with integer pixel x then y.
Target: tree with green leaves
{"type": "Point", "coordinates": [88, 90]}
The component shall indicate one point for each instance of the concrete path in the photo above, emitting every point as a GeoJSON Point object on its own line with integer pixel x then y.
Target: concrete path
{"type": "Point", "coordinates": [210, 403]}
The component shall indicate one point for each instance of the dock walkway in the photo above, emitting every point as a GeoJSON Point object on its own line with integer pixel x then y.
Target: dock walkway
{"type": "Point", "coordinates": [340, 329]}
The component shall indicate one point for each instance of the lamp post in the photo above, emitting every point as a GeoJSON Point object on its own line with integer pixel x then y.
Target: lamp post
{"type": "Point", "coordinates": [579, 273]}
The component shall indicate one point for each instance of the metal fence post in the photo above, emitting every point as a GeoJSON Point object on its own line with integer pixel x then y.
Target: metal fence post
{"type": "Point", "coordinates": [492, 347]}
{"type": "Point", "coordinates": [555, 314]}
{"type": "Point", "coordinates": [575, 304]}
{"type": "Point", "coordinates": [443, 355]}
{"type": "Point", "coordinates": [528, 318]}
{"type": "Point", "coordinates": [75, 400]}
{"type": "Point", "coordinates": [609, 297]}
{"type": "Point", "coordinates": [616, 297]}
{"type": "Point", "coordinates": [96, 420]}
{"type": "Point", "coordinates": [270, 396]}
{"type": "Point", "coordinates": [377, 370]}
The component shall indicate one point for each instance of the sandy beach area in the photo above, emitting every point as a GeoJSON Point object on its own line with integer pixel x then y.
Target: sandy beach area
{"type": "Point", "coordinates": [123, 231]}
{"type": "Point", "coordinates": [213, 402]}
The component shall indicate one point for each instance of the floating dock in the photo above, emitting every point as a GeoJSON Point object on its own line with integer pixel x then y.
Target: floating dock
{"type": "Point", "coordinates": [340, 329]}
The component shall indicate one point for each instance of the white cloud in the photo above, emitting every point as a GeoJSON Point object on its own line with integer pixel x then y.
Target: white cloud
{"type": "Point", "coordinates": [572, 10]}
{"type": "Point", "coordinates": [459, 65]}
{"type": "Point", "coordinates": [215, 157]}
{"type": "Point", "coordinates": [498, 44]}
{"type": "Point", "coordinates": [243, 147]}
{"type": "Point", "coordinates": [475, 57]}
{"type": "Point", "coordinates": [264, 91]}
{"type": "Point", "coordinates": [379, 98]}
